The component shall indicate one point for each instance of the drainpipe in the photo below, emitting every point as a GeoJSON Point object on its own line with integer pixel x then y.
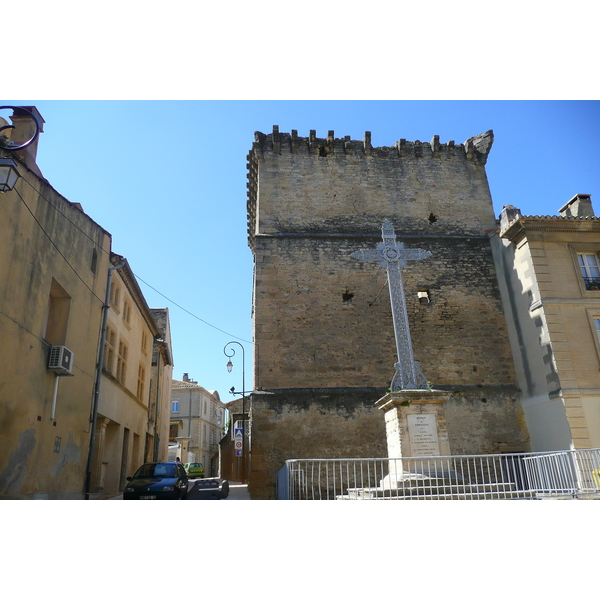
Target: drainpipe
{"type": "Point", "coordinates": [94, 417]}
{"type": "Point", "coordinates": [54, 395]}
{"type": "Point", "coordinates": [158, 398]}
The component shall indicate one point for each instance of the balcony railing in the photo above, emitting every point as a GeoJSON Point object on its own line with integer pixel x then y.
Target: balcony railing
{"type": "Point", "coordinates": [530, 476]}
{"type": "Point", "coordinates": [592, 283]}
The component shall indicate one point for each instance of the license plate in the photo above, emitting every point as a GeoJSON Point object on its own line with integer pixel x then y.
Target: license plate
{"type": "Point", "coordinates": [147, 497]}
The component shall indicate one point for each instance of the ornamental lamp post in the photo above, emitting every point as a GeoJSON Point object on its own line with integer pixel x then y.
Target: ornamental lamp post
{"type": "Point", "coordinates": [9, 172]}
{"type": "Point", "coordinates": [243, 394]}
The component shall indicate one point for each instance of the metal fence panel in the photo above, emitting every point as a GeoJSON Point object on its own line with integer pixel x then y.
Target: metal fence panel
{"type": "Point", "coordinates": [474, 477]}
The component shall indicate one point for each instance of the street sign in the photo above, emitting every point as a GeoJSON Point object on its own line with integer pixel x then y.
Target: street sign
{"type": "Point", "coordinates": [238, 452]}
{"type": "Point", "coordinates": [238, 432]}
{"type": "Point", "coordinates": [238, 444]}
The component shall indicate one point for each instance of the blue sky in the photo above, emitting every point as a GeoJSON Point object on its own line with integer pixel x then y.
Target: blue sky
{"type": "Point", "coordinates": [168, 180]}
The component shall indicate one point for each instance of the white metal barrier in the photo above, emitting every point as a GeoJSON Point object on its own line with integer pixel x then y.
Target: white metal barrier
{"type": "Point", "coordinates": [573, 473]}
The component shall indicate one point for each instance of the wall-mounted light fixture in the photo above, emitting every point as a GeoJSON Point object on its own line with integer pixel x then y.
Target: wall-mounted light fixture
{"type": "Point", "coordinates": [423, 296]}
{"type": "Point", "coordinates": [9, 173]}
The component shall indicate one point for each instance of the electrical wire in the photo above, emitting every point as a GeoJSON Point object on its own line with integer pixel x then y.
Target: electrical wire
{"type": "Point", "coordinates": [190, 313]}
{"type": "Point", "coordinates": [56, 247]}
{"type": "Point", "coordinates": [107, 252]}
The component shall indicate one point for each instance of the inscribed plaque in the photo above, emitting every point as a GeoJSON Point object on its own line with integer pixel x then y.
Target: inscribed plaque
{"type": "Point", "coordinates": [423, 434]}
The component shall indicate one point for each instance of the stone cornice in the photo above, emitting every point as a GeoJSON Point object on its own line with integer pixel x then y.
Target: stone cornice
{"type": "Point", "coordinates": [408, 397]}
{"type": "Point", "coordinates": [550, 224]}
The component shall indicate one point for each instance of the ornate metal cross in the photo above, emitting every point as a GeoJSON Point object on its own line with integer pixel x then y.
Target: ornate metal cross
{"type": "Point", "coordinates": [393, 256]}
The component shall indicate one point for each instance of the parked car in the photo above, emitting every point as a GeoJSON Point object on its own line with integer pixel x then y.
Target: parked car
{"type": "Point", "coordinates": [211, 489]}
{"type": "Point", "coordinates": [194, 470]}
{"type": "Point", "coordinates": [157, 481]}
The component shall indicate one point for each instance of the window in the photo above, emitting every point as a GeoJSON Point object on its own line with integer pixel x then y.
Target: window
{"type": "Point", "coordinates": [127, 312]}
{"type": "Point", "coordinates": [57, 315]}
{"type": "Point", "coordinates": [109, 349]}
{"type": "Point", "coordinates": [94, 261]}
{"type": "Point", "coordinates": [175, 406]}
{"type": "Point", "coordinates": [144, 342]}
{"type": "Point", "coordinates": [173, 431]}
{"type": "Point", "coordinates": [122, 362]}
{"type": "Point", "coordinates": [597, 326]}
{"type": "Point", "coordinates": [590, 271]}
{"type": "Point", "coordinates": [115, 295]}
{"type": "Point", "coordinates": [141, 382]}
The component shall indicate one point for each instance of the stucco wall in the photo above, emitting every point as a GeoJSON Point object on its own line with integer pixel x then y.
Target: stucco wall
{"type": "Point", "coordinates": [45, 237]}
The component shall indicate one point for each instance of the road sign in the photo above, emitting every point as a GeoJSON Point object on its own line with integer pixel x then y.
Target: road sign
{"type": "Point", "coordinates": [238, 444]}
{"type": "Point", "coordinates": [239, 432]}
{"type": "Point", "coordinates": [238, 452]}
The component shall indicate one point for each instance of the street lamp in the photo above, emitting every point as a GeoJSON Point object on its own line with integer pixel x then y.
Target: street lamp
{"type": "Point", "coordinates": [243, 394]}
{"type": "Point", "coordinates": [9, 173]}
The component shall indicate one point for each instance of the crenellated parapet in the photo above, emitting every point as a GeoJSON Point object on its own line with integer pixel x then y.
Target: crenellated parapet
{"type": "Point", "coordinates": [337, 153]}
{"type": "Point", "coordinates": [474, 149]}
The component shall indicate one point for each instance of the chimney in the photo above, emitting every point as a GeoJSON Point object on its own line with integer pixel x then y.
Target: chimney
{"type": "Point", "coordinates": [186, 377]}
{"type": "Point", "coordinates": [508, 215]}
{"type": "Point", "coordinates": [580, 205]}
{"type": "Point", "coordinates": [24, 130]}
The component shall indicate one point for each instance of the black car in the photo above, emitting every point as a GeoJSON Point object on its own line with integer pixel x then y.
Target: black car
{"type": "Point", "coordinates": [210, 489]}
{"type": "Point", "coordinates": [157, 481]}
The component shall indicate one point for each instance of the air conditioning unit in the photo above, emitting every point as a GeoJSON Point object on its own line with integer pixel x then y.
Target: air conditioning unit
{"type": "Point", "coordinates": [60, 360]}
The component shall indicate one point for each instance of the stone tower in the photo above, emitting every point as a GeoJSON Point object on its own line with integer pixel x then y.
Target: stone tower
{"type": "Point", "coordinates": [323, 332]}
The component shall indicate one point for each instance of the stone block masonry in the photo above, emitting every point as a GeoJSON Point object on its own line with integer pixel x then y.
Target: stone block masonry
{"type": "Point", "coordinates": [322, 320]}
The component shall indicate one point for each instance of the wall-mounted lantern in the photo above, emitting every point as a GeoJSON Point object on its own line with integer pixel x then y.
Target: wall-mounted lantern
{"type": "Point", "coordinates": [9, 173]}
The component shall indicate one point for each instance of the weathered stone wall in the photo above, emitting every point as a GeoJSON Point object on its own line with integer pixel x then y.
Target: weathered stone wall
{"type": "Point", "coordinates": [311, 423]}
{"type": "Point", "coordinates": [340, 186]}
{"type": "Point", "coordinates": [322, 319]}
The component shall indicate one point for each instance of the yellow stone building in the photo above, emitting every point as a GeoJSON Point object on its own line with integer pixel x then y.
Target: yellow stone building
{"type": "Point", "coordinates": [53, 265]}
{"type": "Point", "coordinates": [59, 408]}
{"type": "Point", "coordinates": [127, 423]}
{"type": "Point", "coordinates": [197, 421]}
{"type": "Point", "coordinates": [549, 270]}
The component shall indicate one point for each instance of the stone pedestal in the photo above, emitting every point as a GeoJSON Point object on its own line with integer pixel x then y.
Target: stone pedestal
{"type": "Point", "coordinates": [415, 426]}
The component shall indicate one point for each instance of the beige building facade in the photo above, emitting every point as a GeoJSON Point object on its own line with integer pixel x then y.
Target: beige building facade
{"type": "Point", "coordinates": [197, 424]}
{"type": "Point", "coordinates": [549, 270]}
{"type": "Point", "coordinates": [54, 261]}
{"type": "Point", "coordinates": [80, 403]}
{"type": "Point", "coordinates": [160, 386]}
{"type": "Point", "coordinates": [129, 418]}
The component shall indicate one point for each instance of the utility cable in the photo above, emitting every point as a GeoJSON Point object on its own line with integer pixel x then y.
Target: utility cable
{"type": "Point", "coordinates": [107, 252]}
{"type": "Point", "coordinates": [190, 313]}
{"type": "Point", "coordinates": [56, 247]}
{"type": "Point", "coordinates": [372, 303]}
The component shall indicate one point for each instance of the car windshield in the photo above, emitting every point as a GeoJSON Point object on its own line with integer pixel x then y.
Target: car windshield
{"type": "Point", "coordinates": [156, 470]}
